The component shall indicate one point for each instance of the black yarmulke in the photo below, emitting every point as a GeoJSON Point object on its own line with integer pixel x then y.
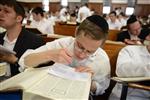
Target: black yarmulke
{"type": "Point", "coordinates": [131, 19]}
{"type": "Point", "coordinates": [99, 21]}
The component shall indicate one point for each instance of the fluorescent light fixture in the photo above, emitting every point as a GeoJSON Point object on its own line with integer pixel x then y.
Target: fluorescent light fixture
{"type": "Point", "coordinates": [106, 9]}
{"type": "Point", "coordinates": [129, 11]}
{"type": "Point", "coordinates": [45, 5]}
{"type": "Point", "coordinates": [64, 3]}
{"type": "Point", "coordinates": [46, 8]}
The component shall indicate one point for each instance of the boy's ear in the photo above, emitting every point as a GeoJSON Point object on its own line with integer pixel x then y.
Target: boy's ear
{"type": "Point", "coordinates": [19, 18]}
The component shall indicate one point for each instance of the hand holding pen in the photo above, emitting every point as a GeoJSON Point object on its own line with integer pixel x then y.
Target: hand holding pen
{"type": "Point", "coordinates": [64, 55]}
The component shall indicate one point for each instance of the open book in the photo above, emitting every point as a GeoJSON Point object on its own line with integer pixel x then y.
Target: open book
{"type": "Point", "coordinates": [4, 50]}
{"type": "Point", "coordinates": [131, 79]}
{"type": "Point", "coordinates": [38, 84]}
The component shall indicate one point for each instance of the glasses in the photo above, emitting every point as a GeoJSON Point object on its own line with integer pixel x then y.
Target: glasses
{"type": "Point", "coordinates": [80, 48]}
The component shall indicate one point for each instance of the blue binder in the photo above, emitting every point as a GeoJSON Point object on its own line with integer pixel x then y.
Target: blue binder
{"type": "Point", "coordinates": [11, 95]}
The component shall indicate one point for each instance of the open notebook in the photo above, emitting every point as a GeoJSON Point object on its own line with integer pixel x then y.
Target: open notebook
{"type": "Point", "coordinates": [38, 84]}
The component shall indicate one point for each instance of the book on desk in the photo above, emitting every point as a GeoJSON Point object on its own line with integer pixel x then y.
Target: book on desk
{"type": "Point", "coordinates": [39, 84]}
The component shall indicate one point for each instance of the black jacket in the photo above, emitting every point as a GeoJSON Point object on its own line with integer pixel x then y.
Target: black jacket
{"type": "Point", "coordinates": [125, 35]}
{"type": "Point", "coordinates": [26, 40]}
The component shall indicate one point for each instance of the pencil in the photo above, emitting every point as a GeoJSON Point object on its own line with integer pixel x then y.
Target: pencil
{"type": "Point", "coordinates": [61, 45]}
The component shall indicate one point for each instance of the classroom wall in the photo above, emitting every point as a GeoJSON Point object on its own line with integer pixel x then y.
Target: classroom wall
{"type": "Point", "coordinates": [141, 8]}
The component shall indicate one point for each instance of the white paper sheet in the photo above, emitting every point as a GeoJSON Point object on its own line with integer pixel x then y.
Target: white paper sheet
{"type": "Point", "coordinates": [65, 71]}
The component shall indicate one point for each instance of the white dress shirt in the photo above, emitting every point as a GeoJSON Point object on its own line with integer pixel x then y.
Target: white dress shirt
{"type": "Point", "coordinates": [114, 25]}
{"type": "Point", "coordinates": [9, 45]}
{"type": "Point", "coordinates": [85, 12]}
{"type": "Point", "coordinates": [2, 30]}
{"type": "Point", "coordinates": [132, 61]}
{"type": "Point", "coordinates": [44, 25]}
{"type": "Point", "coordinates": [99, 61]}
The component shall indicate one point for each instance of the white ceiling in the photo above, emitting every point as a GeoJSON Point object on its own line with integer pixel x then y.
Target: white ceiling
{"type": "Point", "coordinates": [95, 1]}
{"type": "Point", "coordinates": [143, 1]}
{"type": "Point", "coordinates": [37, 0]}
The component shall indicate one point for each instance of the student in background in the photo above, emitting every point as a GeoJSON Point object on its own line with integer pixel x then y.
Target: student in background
{"type": "Point", "coordinates": [83, 13]}
{"type": "Point", "coordinates": [133, 61]}
{"type": "Point", "coordinates": [16, 38]}
{"type": "Point", "coordinates": [135, 34]}
{"type": "Point", "coordinates": [82, 52]}
{"type": "Point", "coordinates": [40, 22]}
{"type": "Point", "coordinates": [113, 21]}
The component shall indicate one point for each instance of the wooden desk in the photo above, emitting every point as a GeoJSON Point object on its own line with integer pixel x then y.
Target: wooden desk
{"type": "Point", "coordinates": [52, 37]}
{"type": "Point", "coordinates": [65, 29]}
{"type": "Point", "coordinates": [139, 86]}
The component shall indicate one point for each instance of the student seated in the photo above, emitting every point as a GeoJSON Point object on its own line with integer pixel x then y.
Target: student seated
{"type": "Point", "coordinates": [15, 38]}
{"type": "Point", "coordinates": [133, 61]}
{"type": "Point", "coordinates": [113, 22]}
{"type": "Point", "coordinates": [82, 52]}
{"type": "Point", "coordinates": [40, 22]}
{"type": "Point", "coordinates": [134, 34]}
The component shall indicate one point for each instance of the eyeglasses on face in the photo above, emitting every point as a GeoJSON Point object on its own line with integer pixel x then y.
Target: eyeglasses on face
{"type": "Point", "coordinates": [78, 46]}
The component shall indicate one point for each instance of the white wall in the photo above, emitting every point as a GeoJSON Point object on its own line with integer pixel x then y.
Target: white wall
{"type": "Point", "coordinates": [37, 0]}
{"type": "Point", "coordinates": [120, 1]}
{"type": "Point", "coordinates": [93, 1]}
{"type": "Point", "coordinates": [143, 1]}
{"type": "Point", "coordinates": [96, 1]}
{"type": "Point", "coordinates": [74, 0]}
{"type": "Point", "coordinates": [49, 0]}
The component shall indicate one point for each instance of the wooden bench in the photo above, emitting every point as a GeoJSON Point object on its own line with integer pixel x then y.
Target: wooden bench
{"type": "Point", "coordinates": [69, 30]}
{"type": "Point", "coordinates": [112, 35]}
{"type": "Point", "coordinates": [112, 49]}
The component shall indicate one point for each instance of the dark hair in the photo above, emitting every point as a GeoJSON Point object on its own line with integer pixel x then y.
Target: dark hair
{"type": "Point", "coordinates": [38, 10]}
{"type": "Point", "coordinates": [94, 26]}
{"type": "Point", "coordinates": [15, 5]}
{"type": "Point", "coordinates": [122, 14]}
{"type": "Point", "coordinates": [131, 19]}
{"type": "Point", "coordinates": [113, 12]}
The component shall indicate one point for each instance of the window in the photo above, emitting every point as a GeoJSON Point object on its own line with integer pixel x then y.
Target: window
{"type": "Point", "coordinates": [106, 9]}
{"type": "Point", "coordinates": [45, 5]}
{"type": "Point", "coordinates": [64, 3]}
{"type": "Point", "coordinates": [129, 11]}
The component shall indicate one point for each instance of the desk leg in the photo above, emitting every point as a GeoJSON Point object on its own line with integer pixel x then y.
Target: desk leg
{"type": "Point", "coordinates": [124, 91]}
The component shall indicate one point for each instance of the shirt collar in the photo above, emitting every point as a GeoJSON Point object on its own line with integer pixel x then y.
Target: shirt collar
{"type": "Point", "coordinates": [7, 40]}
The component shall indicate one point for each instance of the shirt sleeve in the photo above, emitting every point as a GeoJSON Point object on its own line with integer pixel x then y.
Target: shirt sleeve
{"type": "Point", "coordinates": [101, 67]}
{"type": "Point", "coordinates": [50, 45]}
{"type": "Point", "coordinates": [29, 51]}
